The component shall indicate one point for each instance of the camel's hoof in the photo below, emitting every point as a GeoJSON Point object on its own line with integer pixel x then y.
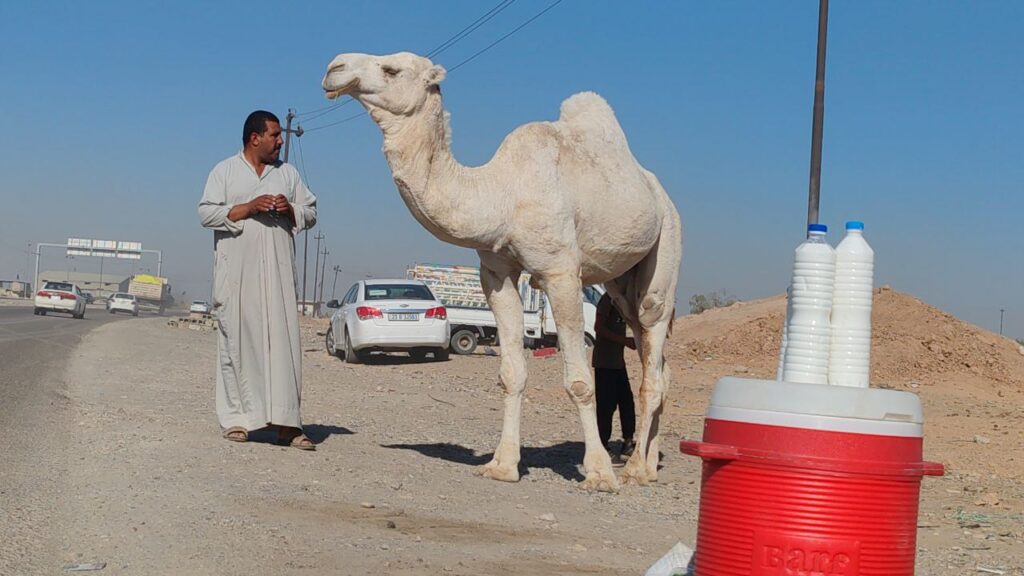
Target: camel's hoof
{"type": "Point", "coordinates": [497, 471]}
{"type": "Point", "coordinates": [635, 472]}
{"type": "Point", "coordinates": [601, 482]}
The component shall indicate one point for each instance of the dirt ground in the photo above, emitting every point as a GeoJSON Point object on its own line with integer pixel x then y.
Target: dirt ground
{"type": "Point", "coordinates": [146, 484]}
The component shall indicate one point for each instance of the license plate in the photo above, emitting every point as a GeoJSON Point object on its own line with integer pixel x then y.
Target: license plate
{"type": "Point", "coordinates": [406, 317]}
{"type": "Point", "coordinates": [54, 297]}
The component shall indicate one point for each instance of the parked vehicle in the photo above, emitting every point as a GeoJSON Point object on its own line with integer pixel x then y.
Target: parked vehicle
{"type": "Point", "coordinates": [88, 297]}
{"type": "Point", "coordinates": [471, 320]}
{"type": "Point", "coordinates": [388, 316]}
{"type": "Point", "coordinates": [63, 297]}
{"type": "Point", "coordinates": [122, 302]}
{"type": "Point", "coordinates": [199, 307]}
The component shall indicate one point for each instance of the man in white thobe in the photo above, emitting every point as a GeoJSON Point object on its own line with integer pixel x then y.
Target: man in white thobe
{"type": "Point", "coordinates": [255, 204]}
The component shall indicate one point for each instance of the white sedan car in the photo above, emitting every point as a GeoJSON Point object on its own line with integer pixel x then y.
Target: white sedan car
{"type": "Point", "coordinates": [200, 307]}
{"type": "Point", "coordinates": [388, 316]}
{"type": "Point", "coordinates": [60, 297]}
{"type": "Point", "coordinates": [121, 302]}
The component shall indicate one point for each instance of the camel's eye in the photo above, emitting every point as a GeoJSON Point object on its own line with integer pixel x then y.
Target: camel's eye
{"type": "Point", "coordinates": [388, 70]}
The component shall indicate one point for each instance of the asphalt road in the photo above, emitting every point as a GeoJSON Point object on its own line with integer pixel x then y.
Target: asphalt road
{"type": "Point", "coordinates": [34, 352]}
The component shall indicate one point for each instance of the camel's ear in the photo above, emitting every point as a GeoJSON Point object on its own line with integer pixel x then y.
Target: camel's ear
{"type": "Point", "coordinates": [434, 75]}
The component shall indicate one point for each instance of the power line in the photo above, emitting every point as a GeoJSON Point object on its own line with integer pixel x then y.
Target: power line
{"type": "Point", "coordinates": [327, 110]}
{"type": "Point", "coordinates": [451, 41]}
{"type": "Point", "coordinates": [460, 64]}
{"type": "Point", "coordinates": [342, 121]}
{"type": "Point", "coordinates": [514, 30]}
{"type": "Point", "coordinates": [302, 161]}
{"type": "Point", "coordinates": [471, 28]}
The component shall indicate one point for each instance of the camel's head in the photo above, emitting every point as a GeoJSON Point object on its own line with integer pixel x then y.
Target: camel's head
{"type": "Point", "coordinates": [398, 83]}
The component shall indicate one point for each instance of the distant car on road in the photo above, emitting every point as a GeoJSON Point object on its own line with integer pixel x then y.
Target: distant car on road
{"type": "Point", "coordinates": [121, 302]}
{"type": "Point", "coordinates": [199, 307]}
{"type": "Point", "coordinates": [388, 316]}
{"type": "Point", "coordinates": [88, 297]}
{"type": "Point", "coordinates": [62, 297]}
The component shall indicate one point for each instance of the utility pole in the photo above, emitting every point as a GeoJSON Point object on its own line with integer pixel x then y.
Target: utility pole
{"type": "Point", "coordinates": [323, 273]}
{"type": "Point", "coordinates": [1001, 310]}
{"type": "Point", "coordinates": [335, 285]}
{"type": "Point", "coordinates": [316, 266]}
{"type": "Point", "coordinates": [288, 131]}
{"type": "Point", "coordinates": [814, 191]}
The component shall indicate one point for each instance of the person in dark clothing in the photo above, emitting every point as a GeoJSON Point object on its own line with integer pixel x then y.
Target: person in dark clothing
{"type": "Point", "coordinates": [611, 380]}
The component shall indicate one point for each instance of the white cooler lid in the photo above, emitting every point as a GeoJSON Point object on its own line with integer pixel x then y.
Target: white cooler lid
{"type": "Point", "coordinates": [817, 406]}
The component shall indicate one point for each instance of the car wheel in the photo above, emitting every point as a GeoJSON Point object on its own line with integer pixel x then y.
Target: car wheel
{"type": "Point", "coordinates": [588, 340]}
{"type": "Point", "coordinates": [332, 346]}
{"type": "Point", "coordinates": [441, 355]}
{"type": "Point", "coordinates": [36, 311]}
{"type": "Point", "coordinates": [351, 356]}
{"type": "Point", "coordinates": [111, 311]}
{"type": "Point", "coordinates": [463, 342]}
{"type": "Point", "coordinates": [135, 313]}
{"type": "Point", "coordinates": [42, 312]}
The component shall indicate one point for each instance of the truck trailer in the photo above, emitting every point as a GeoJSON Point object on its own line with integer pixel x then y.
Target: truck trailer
{"type": "Point", "coordinates": [470, 317]}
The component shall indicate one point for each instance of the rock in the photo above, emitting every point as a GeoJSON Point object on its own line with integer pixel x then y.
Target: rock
{"type": "Point", "coordinates": [367, 504]}
{"type": "Point", "coordinates": [578, 548]}
{"type": "Point", "coordinates": [548, 517]}
{"type": "Point", "coordinates": [981, 440]}
{"type": "Point", "coordinates": [390, 525]}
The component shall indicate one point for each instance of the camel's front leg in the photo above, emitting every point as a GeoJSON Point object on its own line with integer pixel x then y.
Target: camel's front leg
{"type": "Point", "coordinates": [566, 296]}
{"type": "Point", "coordinates": [501, 287]}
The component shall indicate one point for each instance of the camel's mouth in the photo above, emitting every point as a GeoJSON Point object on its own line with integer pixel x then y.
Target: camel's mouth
{"type": "Point", "coordinates": [334, 85]}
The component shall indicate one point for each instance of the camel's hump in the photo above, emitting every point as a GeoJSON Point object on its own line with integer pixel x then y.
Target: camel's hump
{"type": "Point", "coordinates": [587, 108]}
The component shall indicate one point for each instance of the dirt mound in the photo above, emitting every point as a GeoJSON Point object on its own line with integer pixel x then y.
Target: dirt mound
{"type": "Point", "coordinates": [911, 342]}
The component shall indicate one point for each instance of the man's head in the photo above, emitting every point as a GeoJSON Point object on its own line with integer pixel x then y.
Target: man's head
{"type": "Point", "coordinates": [262, 136]}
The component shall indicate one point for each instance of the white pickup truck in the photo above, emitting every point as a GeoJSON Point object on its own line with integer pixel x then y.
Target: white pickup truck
{"type": "Point", "coordinates": [471, 319]}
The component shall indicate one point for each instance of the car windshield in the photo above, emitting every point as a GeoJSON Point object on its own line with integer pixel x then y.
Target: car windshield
{"type": "Point", "coordinates": [124, 296]}
{"type": "Point", "coordinates": [397, 292]}
{"type": "Point", "coordinates": [59, 286]}
{"type": "Point", "coordinates": [199, 302]}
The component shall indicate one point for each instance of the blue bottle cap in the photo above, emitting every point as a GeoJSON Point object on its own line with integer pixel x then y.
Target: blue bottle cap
{"type": "Point", "coordinates": [854, 225]}
{"type": "Point", "coordinates": [817, 228]}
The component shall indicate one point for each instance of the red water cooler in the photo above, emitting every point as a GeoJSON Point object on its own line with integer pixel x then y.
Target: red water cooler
{"type": "Point", "coordinates": [809, 480]}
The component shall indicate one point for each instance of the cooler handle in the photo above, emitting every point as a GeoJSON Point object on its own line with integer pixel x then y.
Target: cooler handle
{"type": "Point", "coordinates": [708, 451]}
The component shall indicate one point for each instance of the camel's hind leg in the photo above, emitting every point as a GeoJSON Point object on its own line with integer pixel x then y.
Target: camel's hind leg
{"type": "Point", "coordinates": [653, 288]}
{"type": "Point", "coordinates": [500, 282]}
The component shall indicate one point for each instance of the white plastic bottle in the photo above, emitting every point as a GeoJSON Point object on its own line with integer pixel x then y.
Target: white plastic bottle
{"type": "Point", "coordinates": [808, 333]}
{"type": "Point", "coordinates": [785, 328]}
{"type": "Point", "coordinates": [850, 350]}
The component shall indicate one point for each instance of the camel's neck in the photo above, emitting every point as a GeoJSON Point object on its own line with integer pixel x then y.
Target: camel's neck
{"type": "Point", "coordinates": [453, 202]}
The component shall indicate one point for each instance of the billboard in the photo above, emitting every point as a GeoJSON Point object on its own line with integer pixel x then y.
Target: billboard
{"type": "Point", "coordinates": [104, 248]}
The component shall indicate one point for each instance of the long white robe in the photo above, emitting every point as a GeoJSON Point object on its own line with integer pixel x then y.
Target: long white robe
{"type": "Point", "coordinates": [259, 372]}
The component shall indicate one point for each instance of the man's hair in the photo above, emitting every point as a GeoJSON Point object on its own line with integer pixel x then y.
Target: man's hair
{"type": "Point", "coordinates": [257, 122]}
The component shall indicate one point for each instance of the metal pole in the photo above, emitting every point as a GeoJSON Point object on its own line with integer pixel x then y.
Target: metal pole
{"type": "Point", "coordinates": [1001, 310]}
{"type": "Point", "coordinates": [814, 191]}
{"type": "Point", "coordinates": [323, 274]}
{"type": "Point", "coordinates": [28, 269]}
{"type": "Point", "coordinates": [288, 131]}
{"type": "Point", "coordinates": [335, 285]}
{"type": "Point", "coordinates": [316, 266]}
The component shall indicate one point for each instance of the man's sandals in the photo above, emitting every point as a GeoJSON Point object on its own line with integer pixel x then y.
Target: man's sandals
{"type": "Point", "coordinates": [295, 438]}
{"type": "Point", "coordinates": [236, 434]}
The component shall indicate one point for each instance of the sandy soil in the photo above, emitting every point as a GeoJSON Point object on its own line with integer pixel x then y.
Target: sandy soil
{"type": "Point", "coordinates": [146, 484]}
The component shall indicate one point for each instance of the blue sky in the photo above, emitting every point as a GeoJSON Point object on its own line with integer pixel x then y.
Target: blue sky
{"type": "Point", "coordinates": [117, 111]}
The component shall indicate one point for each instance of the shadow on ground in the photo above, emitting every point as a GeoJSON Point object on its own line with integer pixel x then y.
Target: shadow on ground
{"type": "Point", "coordinates": [316, 432]}
{"type": "Point", "coordinates": [562, 459]}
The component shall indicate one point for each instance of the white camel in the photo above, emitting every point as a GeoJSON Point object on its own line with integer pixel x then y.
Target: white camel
{"type": "Point", "coordinates": [567, 202]}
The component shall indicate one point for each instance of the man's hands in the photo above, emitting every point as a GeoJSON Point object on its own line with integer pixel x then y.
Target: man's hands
{"type": "Point", "coordinates": [275, 205]}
